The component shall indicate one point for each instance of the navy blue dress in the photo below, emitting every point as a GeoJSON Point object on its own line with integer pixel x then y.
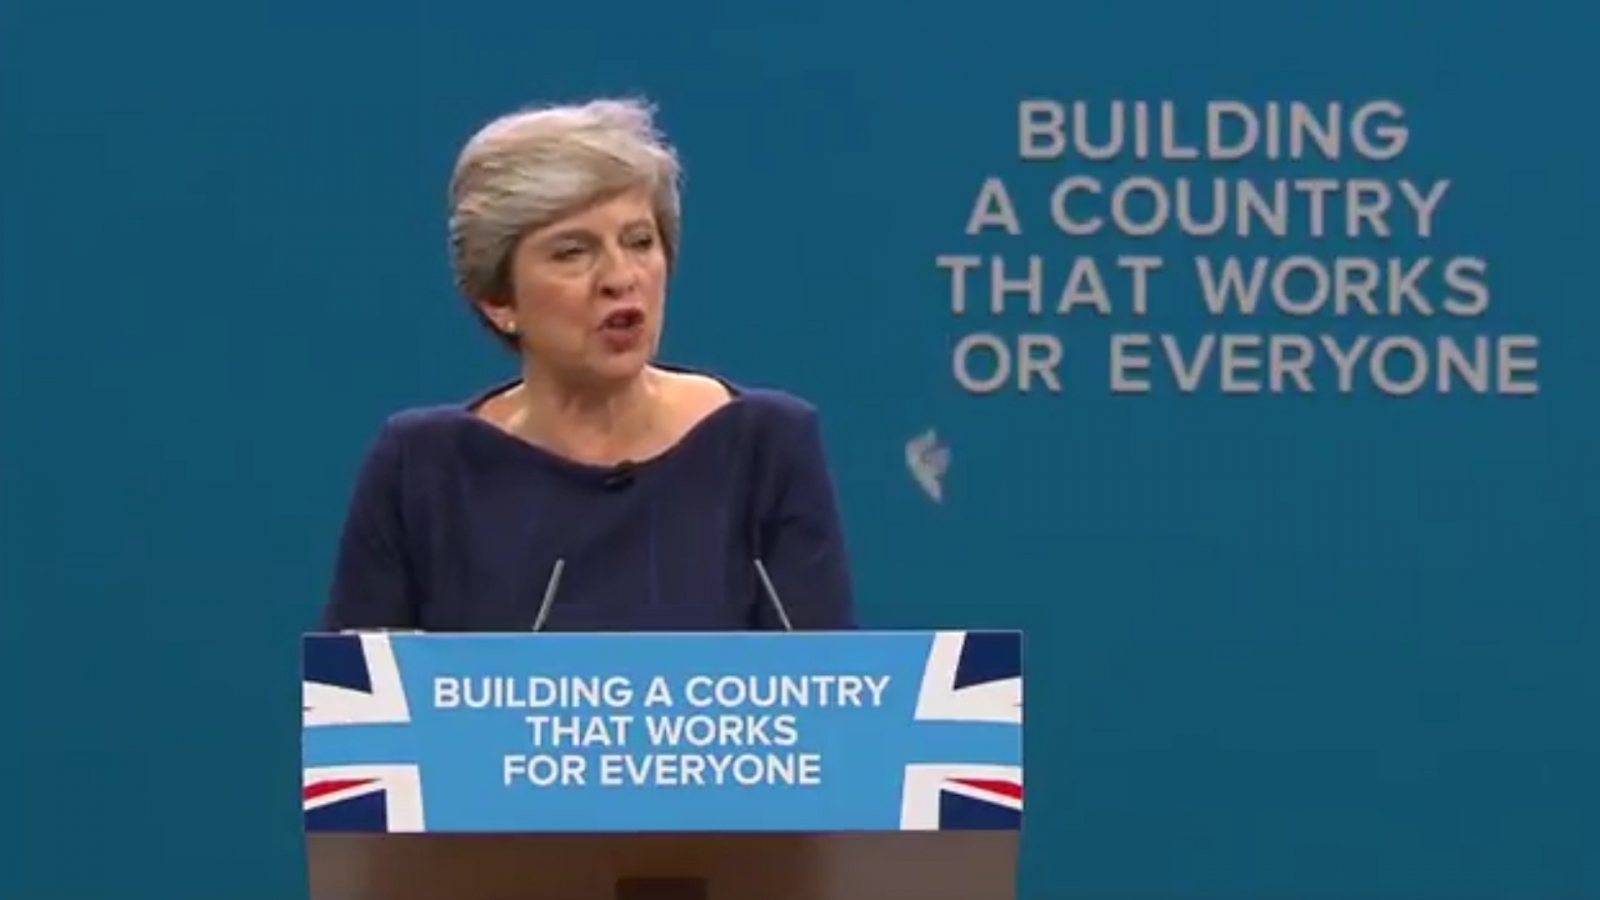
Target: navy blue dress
{"type": "Point", "coordinates": [457, 526]}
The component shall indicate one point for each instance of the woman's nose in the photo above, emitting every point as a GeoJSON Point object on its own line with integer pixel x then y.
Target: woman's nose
{"type": "Point", "coordinates": [618, 275]}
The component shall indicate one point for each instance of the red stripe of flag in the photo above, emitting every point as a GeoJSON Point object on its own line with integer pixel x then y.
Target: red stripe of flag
{"type": "Point", "coordinates": [323, 788]}
{"type": "Point", "coordinates": [1008, 789]}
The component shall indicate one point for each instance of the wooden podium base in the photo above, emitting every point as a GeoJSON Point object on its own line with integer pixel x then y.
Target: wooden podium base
{"type": "Point", "coordinates": [663, 889]}
{"type": "Point", "coordinates": [937, 865]}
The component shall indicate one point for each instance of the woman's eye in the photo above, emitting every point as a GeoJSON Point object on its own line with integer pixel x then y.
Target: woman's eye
{"type": "Point", "coordinates": [565, 254]}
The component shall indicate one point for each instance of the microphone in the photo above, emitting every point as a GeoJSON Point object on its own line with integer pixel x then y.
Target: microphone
{"type": "Point", "coordinates": [620, 477]}
{"type": "Point", "coordinates": [772, 596]}
{"type": "Point", "coordinates": [549, 595]}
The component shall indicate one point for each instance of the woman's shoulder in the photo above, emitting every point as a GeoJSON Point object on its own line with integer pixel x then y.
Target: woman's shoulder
{"type": "Point", "coordinates": [775, 426]}
{"type": "Point", "coordinates": [764, 412]}
{"type": "Point", "coordinates": [779, 415]}
{"type": "Point", "coordinates": [419, 429]}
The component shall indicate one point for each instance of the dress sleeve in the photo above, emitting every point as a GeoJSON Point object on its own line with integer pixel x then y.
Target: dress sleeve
{"type": "Point", "coordinates": [373, 586]}
{"type": "Point", "coordinates": [804, 548]}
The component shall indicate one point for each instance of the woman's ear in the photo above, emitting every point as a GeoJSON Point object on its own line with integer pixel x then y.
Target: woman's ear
{"type": "Point", "coordinates": [500, 315]}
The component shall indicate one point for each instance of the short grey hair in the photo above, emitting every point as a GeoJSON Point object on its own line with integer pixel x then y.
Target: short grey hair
{"type": "Point", "coordinates": [530, 168]}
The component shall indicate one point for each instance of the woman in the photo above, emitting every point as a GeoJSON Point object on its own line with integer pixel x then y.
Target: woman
{"type": "Point", "coordinates": [599, 491]}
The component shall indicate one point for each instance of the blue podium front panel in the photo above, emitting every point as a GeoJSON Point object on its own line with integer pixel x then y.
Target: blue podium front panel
{"type": "Point", "coordinates": [858, 731]}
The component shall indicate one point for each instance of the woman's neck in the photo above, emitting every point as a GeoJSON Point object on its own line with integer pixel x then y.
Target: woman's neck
{"type": "Point", "coordinates": [592, 423]}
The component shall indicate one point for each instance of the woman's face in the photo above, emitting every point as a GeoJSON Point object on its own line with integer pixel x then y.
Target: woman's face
{"type": "Point", "coordinates": [590, 290]}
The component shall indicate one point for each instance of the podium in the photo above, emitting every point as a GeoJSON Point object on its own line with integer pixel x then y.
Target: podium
{"type": "Point", "coordinates": [732, 766]}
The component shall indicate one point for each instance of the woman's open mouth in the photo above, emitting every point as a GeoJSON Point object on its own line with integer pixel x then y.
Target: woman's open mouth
{"type": "Point", "coordinates": [623, 321]}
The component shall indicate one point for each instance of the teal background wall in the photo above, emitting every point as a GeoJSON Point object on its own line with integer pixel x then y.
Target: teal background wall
{"type": "Point", "coordinates": [1280, 646]}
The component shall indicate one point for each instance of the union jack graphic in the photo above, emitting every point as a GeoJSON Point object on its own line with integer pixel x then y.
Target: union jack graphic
{"type": "Point", "coordinates": [354, 679]}
{"type": "Point", "coordinates": [970, 677]}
